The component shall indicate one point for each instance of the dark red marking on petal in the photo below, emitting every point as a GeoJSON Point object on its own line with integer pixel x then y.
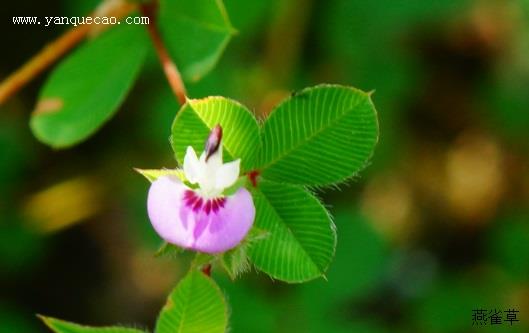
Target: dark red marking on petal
{"type": "Point", "coordinates": [207, 207]}
{"type": "Point", "coordinates": [197, 205]}
{"type": "Point", "coordinates": [190, 198]}
{"type": "Point", "coordinates": [215, 205]}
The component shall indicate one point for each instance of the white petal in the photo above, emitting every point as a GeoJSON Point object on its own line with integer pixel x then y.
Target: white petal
{"type": "Point", "coordinates": [227, 174]}
{"type": "Point", "coordinates": [192, 166]}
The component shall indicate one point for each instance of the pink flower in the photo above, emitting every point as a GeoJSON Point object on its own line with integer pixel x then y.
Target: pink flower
{"type": "Point", "coordinates": [202, 218]}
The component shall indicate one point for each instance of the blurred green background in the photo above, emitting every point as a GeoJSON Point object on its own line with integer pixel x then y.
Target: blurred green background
{"type": "Point", "coordinates": [435, 227]}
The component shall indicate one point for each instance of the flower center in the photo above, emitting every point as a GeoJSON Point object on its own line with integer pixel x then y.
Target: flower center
{"type": "Point", "coordinates": [209, 172]}
{"type": "Point", "coordinates": [197, 203]}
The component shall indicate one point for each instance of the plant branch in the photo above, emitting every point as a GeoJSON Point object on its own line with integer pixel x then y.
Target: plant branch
{"type": "Point", "coordinates": [169, 67]}
{"type": "Point", "coordinates": [54, 50]}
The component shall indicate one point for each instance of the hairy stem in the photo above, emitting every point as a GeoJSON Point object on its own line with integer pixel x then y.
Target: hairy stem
{"type": "Point", "coordinates": [171, 71]}
{"type": "Point", "coordinates": [56, 49]}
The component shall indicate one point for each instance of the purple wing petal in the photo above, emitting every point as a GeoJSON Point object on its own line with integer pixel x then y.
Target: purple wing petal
{"type": "Point", "coordinates": [164, 203]}
{"type": "Point", "coordinates": [213, 226]}
{"type": "Point", "coordinates": [228, 225]}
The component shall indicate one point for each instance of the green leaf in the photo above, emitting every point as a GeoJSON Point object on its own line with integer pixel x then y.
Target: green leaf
{"type": "Point", "coordinates": [202, 259]}
{"type": "Point", "coordinates": [195, 306]}
{"type": "Point", "coordinates": [235, 262]}
{"type": "Point", "coordinates": [319, 136]}
{"type": "Point", "coordinates": [153, 174]}
{"type": "Point", "coordinates": [250, 18]}
{"type": "Point", "coordinates": [86, 89]}
{"type": "Point", "coordinates": [195, 32]}
{"type": "Point", "coordinates": [168, 250]}
{"type": "Point", "coordinates": [241, 182]}
{"type": "Point", "coordinates": [61, 326]}
{"type": "Point", "coordinates": [197, 117]}
{"type": "Point", "coordinates": [302, 236]}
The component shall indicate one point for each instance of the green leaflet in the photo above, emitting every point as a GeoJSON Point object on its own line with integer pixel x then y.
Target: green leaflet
{"type": "Point", "coordinates": [61, 326]}
{"type": "Point", "coordinates": [195, 32]}
{"type": "Point", "coordinates": [195, 306]}
{"type": "Point", "coordinates": [319, 136]}
{"type": "Point", "coordinates": [169, 250]}
{"type": "Point", "coordinates": [153, 174]}
{"type": "Point", "coordinates": [302, 237]}
{"type": "Point", "coordinates": [197, 117]}
{"type": "Point", "coordinates": [86, 89]}
{"type": "Point", "coordinates": [235, 261]}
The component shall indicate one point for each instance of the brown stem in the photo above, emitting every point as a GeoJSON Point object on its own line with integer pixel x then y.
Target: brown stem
{"type": "Point", "coordinates": [52, 52]}
{"type": "Point", "coordinates": [169, 67]}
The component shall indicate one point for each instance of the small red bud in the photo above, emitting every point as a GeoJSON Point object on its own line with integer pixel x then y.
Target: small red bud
{"type": "Point", "coordinates": [207, 270]}
{"type": "Point", "coordinates": [252, 176]}
{"type": "Point", "coordinates": [213, 141]}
